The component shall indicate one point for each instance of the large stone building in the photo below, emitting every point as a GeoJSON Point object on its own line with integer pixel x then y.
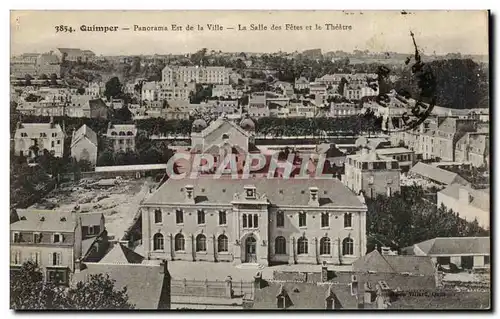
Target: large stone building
{"type": "Point", "coordinates": [35, 137]}
{"type": "Point", "coordinates": [56, 240]}
{"type": "Point", "coordinates": [186, 74]}
{"type": "Point", "coordinates": [84, 144]}
{"type": "Point", "coordinates": [35, 65]}
{"type": "Point", "coordinates": [122, 136]}
{"type": "Point", "coordinates": [255, 220]}
{"type": "Point", "coordinates": [371, 173]}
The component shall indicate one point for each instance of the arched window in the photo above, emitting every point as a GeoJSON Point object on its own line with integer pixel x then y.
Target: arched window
{"type": "Point", "coordinates": [280, 245]}
{"type": "Point", "coordinates": [113, 133]}
{"type": "Point", "coordinates": [302, 246]}
{"type": "Point", "coordinates": [179, 242]}
{"type": "Point", "coordinates": [201, 243]}
{"type": "Point", "coordinates": [348, 246]}
{"type": "Point", "coordinates": [225, 136]}
{"type": "Point", "coordinates": [158, 217]}
{"type": "Point", "coordinates": [222, 243]}
{"type": "Point", "coordinates": [280, 219]}
{"type": "Point", "coordinates": [158, 243]}
{"type": "Point", "coordinates": [244, 220]}
{"type": "Point", "coordinates": [324, 246]}
{"type": "Point", "coordinates": [129, 133]}
{"type": "Point", "coordinates": [121, 133]}
{"type": "Point", "coordinates": [347, 220]}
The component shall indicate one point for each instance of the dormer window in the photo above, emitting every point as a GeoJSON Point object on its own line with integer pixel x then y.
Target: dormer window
{"type": "Point", "coordinates": [17, 237]}
{"type": "Point", "coordinates": [37, 238]}
{"type": "Point", "coordinates": [57, 238]}
{"type": "Point", "coordinates": [281, 302]}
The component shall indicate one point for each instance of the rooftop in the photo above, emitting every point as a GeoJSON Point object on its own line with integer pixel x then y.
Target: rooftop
{"type": "Point", "coordinates": [437, 174]}
{"type": "Point", "coordinates": [376, 262]}
{"type": "Point", "coordinates": [44, 220]}
{"type": "Point", "coordinates": [456, 245]}
{"type": "Point", "coordinates": [480, 197]}
{"type": "Point", "coordinates": [293, 192]}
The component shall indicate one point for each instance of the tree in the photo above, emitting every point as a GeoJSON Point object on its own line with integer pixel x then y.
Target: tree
{"type": "Point", "coordinates": [113, 88]}
{"type": "Point", "coordinates": [43, 77]}
{"type": "Point", "coordinates": [30, 292]}
{"type": "Point", "coordinates": [105, 158]}
{"type": "Point", "coordinates": [53, 79]}
{"type": "Point", "coordinates": [123, 114]}
{"type": "Point", "coordinates": [80, 91]}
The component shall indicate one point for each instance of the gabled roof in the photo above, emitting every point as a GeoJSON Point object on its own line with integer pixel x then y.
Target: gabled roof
{"type": "Point", "coordinates": [217, 124]}
{"type": "Point", "coordinates": [144, 282]}
{"type": "Point", "coordinates": [121, 254]}
{"type": "Point", "coordinates": [455, 246]}
{"type": "Point", "coordinates": [84, 132]}
{"type": "Point", "coordinates": [91, 219]}
{"type": "Point", "coordinates": [122, 128]}
{"type": "Point", "coordinates": [332, 193]}
{"type": "Point", "coordinates": [44, 220]}
{"type": "Point", "coordinates": [376, 262]}
{"type": "Point", "coordinates": [437, 174]}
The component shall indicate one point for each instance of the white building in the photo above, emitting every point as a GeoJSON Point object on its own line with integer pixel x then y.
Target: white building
{"type": "Point", "coordinates": [31, 137]}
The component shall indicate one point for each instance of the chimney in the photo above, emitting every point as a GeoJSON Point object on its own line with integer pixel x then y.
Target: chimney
{"type": "Point", "coordinates": [354, 285]}
{"type": "Point", "coordinates": [52, 125]}
{"type": "Point", "coordinates": [250, 192]}
{"type": "Point", "coordinates": [78, 265]}
{"type": "Point", "coordinates": [189, 193]}
{"type": "Point", "coordinates": [324, 271]}
{"type": "Point", "coordinates": [313, 196]}
{"type": "Point", "coordinates": [464, 196]}
{"type": "Point", "coordinates": [257, 281]}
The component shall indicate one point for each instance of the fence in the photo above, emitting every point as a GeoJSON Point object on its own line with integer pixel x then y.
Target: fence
{"type": "Point", "coordinates": [217, 288]}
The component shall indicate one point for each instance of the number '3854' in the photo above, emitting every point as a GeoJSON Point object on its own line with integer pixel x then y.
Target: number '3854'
{"type": "Point", "coordinates": [64, 28]}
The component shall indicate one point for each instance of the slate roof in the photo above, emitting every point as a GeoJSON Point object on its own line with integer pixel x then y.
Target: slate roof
{"type": "Point", "coordinates": [455, 245]}
{"type": "Point", "coordinates": [218, 125]}
{"type": "Point", "coordinates": [121, 254]}
{"type": "Point", "coordinates": [91, 219]}
{"type": "Point", "coordinates": [393, 150]}
{"type": "Point", "coordinates": [51, 220]}
{"type": "Point", "coordinates": [451, 301]}
{"type": "Point", "coordinates": [96, 103]}
{"type": "Point", "coordinates": [34, 129]}
{"type": "Point", "coordinates": [480, 197]}
{"type": "Point", "coordinates": [149, 86]}
{"type": "Point", "coordinates": [82, 132]}
{"type": "Point", "coordinates": [144, 282]}
{"type": "Point", "coordinates": [279, 191]}
{"type": "Point", "coordinates": [375, 262]}
{"type": "Point", "coordinates": [70, 51]}
{"type": "Point", "coordinates": [437, 174]}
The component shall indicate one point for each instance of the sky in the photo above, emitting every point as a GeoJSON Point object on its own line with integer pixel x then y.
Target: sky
{"type": "Point", "coordinates": [438, 32]}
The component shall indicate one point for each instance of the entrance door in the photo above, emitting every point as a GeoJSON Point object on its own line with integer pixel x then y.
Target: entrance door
{"type": "Point", "coordinates": [251, 250]}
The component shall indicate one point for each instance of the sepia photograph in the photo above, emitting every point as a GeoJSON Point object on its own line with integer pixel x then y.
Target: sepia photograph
{"type": "Point", "coordinates": [250, 160]}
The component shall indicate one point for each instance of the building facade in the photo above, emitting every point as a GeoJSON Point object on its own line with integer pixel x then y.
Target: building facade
{"type": "Point", "coordinates": [84, 144]}
{"type": "Point", "coordinates": [122, 136]}
{"type": "Point", "coordinates": [186, 74]}
{"type": "Point", "coordinates": [257, 221]}
{"type": "Point", "coordinates": [372, 174]}
{"type": "Point", "coordinates": [35, 137]}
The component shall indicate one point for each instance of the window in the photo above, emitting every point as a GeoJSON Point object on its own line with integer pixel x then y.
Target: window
{"type": "Point", "coordinates": [280, 219]}
{"type": "Point", "coordinates": [486, 260]}
{"type": "Point", "coordinates": [325, 220]}
{"type": "Point", "coordinates": [35, 257]}
{"type": "Point", "coordinates": [302, 248]}
{"type": "Point", "coordinates": [244, 220]}
{"type": "Point", "coordinates": [16, 258]}
{"type": "Point", "coordinates": [179, 216]}
{"type": "Point", "coordinates": [281, 300]}
{"type": "Point", "coordinates": [37, 237]}
{"type": "Point", "coordinates": [158, 216]}
{"type": "Point", "coordinates": [302, 219]}
{"type": "Point", "coordinates": [56, 259]}
{"type": "Point", "coordinates": [179, 242]}
{"type": "Point", "coordinates": [330, 304]}
{"type": "Point", "coordinates": [57, 238]}
{"type": "Point", "coordinates": [222, 243]}
{"type": "Point", "coordinates": [280, 245]}
{"type": "Point", "coordinates": [347, 246]}
{"type": "Point", "coordinates": [255, 221]}
{"type": "Point", "coordinates": [222, 217]}
{"type": "Point", "coordinates": [250, 221]}
{"type": "Point", "coordinates": [158, 243]}
{"type": "Point", "coordinates": [201, 243]}
{"type": "Point", "coordinates": [347, 220]}
{"type": "Point", "coordinates": [324, 246]}
{"type": "Point", "coordinates": [52, 144]}
{"type": "Point", "coordinates": [17, 237]}
{"type": "Point", "coordinates": [201, 217]}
